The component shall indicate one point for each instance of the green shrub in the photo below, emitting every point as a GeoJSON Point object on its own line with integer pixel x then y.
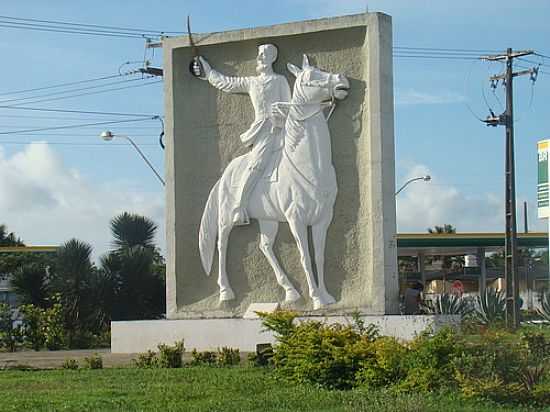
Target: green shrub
{"type": "Point", "coordinates": [493, 388]}
{"type": "Point", "coordinates": [385, 365]}
{"type": "Point", "coordinates": [94, 362]}
{"type": "Point", "coordinates": [171, 356]}
{"type": "Point", "coordinates": [44, 327]}
{"type": "Point", "coordinates": [52, 325]}
{"type": "Point", "coordinates": [536, 343]}
{"type": "Point", "coordinates": [280, 322]}
{"type": "Point", "coordinates": [228, 357]}
{"type": "Point", "coordinates": [327, 355]}
{"type": "Point", "coordinates": [146, 360]}
{"type": "Point", "coordinates": [263, 355]}
{"type": "Point", "coordinates": [71, 364]}
{"type": "Point", "coordinates": [203, 358]}
{"type": "Point", "coordinates": [32, 326]}
{"type": "Point", "coordinates": [370, 331]}
{"type": "Point", "coordinates": [428, 361]}
{"type": "Point", "coordinates": [10, 336]}
{"type": "Point", "coordinates": [498, 366]}
{"type": "Point", "coordinates": [541, 394]}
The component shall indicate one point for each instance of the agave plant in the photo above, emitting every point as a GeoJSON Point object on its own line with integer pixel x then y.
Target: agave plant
{"type": "Point", "coordinates": [490, 307]}
{"type": "Point", "coordinates": [449, 304]}
{"type": "Point", "coordinates": [544, 309]}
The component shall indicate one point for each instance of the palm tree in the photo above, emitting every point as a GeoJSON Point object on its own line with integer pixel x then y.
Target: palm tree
{"type": "Point", "coordinates": [29, 282]}
{"type": "Point", "coordinates": [71, 279]}
{"type": "Point", "coordinates": [131, 230]}
{"type": "Point", "coordinates": [134, 270]}
{"type": "Point", "coordinates": [446, 228]}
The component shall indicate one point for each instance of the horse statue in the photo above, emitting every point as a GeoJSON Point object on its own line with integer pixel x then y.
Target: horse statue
{"type": "Point", "coordinates": [302, 195]}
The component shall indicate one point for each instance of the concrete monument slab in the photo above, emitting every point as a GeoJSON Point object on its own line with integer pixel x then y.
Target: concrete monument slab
{"type": "Point", "coordinates": [203, 126]}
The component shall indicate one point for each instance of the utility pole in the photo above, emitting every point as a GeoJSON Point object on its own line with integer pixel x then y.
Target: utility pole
{"type": "Point", "coordinates": [507, 119]}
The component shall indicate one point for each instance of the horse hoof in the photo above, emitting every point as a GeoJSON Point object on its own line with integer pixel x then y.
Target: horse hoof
{"type": "Point", "coordinates": [322, 301]}
{"type": "Point", "coordinates": [328, 299]}
{"type": "Point", "coordinates": [291, 296]}
{"type": "Point", "coordinates": [226, 294]}
{"type": "Point", "coordinates": [317, 303]}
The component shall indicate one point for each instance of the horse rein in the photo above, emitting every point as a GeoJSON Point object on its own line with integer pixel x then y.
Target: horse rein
{"type": "Point", "coordinates": [332, 104]}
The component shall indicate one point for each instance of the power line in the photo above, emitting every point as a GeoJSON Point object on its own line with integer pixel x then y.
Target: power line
{"type": "Point", "coordinates": [89, 33]}
{"type": "Point", "coordinates": [446, 50]}
{"type": "Point", "coordinates": [70, 91]}
{"type": "Point", "coordinates": [42, 109]}
{"type": "Point", "coordinates": [64, 84]}
{"type": "Point", "coordinates": [9, 116]}
{"type": "Point", "coordinates": [62, 135]}
{"type": "Point", "coordinates": [78, 30]}
{"type": "Point", "coordinates": [533, 62]}
{"type": "Point", "coordinates": [90, 25]}
{"type": "Point", "coordinates": [84, 94]}
{"type": "Point", "coordinates": [436, 57]}
{"type": "Point", "coordinates": [103, 145]}
{"type": "Point", "coordinates": [76, 126]}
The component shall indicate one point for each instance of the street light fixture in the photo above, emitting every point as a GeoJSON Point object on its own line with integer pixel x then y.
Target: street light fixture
{"type": "Point", "coordinates": [107, 135]}
{"type": "Point", "coordinates": [426, 178]}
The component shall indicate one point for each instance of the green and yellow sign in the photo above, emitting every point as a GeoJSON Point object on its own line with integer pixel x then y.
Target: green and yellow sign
{"type": "Point", "coordinates": [543, 187]}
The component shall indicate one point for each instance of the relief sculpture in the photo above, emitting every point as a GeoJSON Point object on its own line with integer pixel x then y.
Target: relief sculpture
{"type": "Point", "coordinates": [287, 176]}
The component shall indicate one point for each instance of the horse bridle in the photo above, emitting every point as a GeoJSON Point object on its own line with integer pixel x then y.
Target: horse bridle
{"type": "Point", "coordinates": [321, 85]}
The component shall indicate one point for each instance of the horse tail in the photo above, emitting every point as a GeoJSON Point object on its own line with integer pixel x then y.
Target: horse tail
{"type": "Point", "coordinates": [209, 230]}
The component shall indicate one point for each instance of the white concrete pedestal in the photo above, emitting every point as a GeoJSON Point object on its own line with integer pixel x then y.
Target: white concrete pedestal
{"type": "Point", "coordinates": [245, 334]}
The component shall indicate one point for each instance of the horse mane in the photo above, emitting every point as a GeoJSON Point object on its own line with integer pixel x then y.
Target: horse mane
{"type": "Point", "coordinates": [299, 109]}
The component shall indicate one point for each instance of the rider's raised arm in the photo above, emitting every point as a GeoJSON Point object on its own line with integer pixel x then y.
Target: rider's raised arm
{"type": "Point", "coordinates": [220, 81]}
{"type": "Point", "coordinates": [229, 84]}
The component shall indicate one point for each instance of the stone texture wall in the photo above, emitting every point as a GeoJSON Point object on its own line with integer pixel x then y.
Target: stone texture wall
{"type": "Point", "coordinates": [203, 127]}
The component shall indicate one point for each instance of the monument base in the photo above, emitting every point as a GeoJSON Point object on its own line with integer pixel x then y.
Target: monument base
{"type": "Point", "coordinates": [245, 334]}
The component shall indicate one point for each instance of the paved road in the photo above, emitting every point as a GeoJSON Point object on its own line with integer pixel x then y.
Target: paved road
{"type": "Point", "coordinates": [54, 359]}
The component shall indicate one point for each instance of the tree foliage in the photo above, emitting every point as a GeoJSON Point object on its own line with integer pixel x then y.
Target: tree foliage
{"type": "Point", "coordinates": [30, 283]}
{"type": "Point", "coordinates": [128, 285]}
{"type": "Point", "coordinates": [445, 229]}
{"type": "Point", "coordinates": [72, 280]}
{"type": "Point", "coordinates": [134, 270]}
{"type": "Point", "coordinates": [131, 230]}
{"type": "Point", "coordinates": [9, 238]}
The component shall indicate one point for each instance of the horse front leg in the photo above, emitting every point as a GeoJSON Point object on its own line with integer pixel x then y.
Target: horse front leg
{"type": "Point", "coordinates": [226, 293]}
{"type": "Point", "coordinates": [299, 231]}
{"type": "Point", "coordinates": [319, 232]}
{"type": "Point", "coordinates": [268, 234]}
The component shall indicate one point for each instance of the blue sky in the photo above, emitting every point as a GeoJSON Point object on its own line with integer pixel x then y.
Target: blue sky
{"type": "Point", "coordinates": [49, 193]}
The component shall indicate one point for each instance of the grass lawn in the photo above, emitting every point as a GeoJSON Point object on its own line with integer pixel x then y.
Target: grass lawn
{"type": "Point", "coordinates": [201, 389]}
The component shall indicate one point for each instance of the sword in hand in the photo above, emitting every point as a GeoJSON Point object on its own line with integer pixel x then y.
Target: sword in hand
{"type": "Point", "coordinates": [198, 67]}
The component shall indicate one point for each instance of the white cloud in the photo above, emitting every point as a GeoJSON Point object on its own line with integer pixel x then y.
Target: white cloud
{"type": "Point", "coordinates": [45, 203]}
{"type": "Point", "coordinates": [410, 97]}
{"type": "Point", "coordinates": [426, 204]}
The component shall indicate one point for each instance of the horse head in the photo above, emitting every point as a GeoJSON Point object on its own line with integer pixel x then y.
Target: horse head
{"type": "Point", "coordinates": [314, 85]}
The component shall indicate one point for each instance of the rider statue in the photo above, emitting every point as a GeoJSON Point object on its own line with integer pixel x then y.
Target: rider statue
{"type": "Point", "coordinates": [266, 134]}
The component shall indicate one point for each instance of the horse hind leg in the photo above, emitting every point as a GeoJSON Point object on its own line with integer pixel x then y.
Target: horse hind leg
{"type": "Point", "coordinates": [268, 234]}
{"type": "Point", "coordinates": [226, 293]}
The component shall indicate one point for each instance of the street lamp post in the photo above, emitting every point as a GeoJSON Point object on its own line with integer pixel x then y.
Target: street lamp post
{"type": "Point", "coordinates": [108, 136]}
{"type": "Point", "coordinates": [426, 178]}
